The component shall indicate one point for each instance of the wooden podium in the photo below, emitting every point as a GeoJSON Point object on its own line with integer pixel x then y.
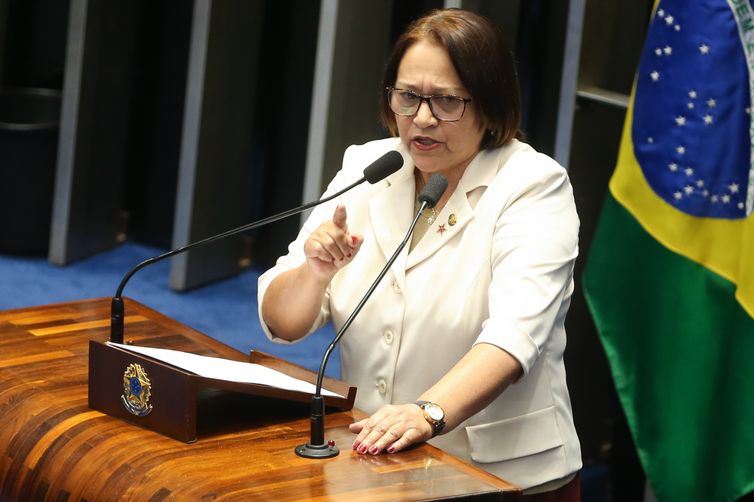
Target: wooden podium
{"type": "Point", "coordinates": [57, 448]}
{"type": "Point", "coordinates": [175, 408]}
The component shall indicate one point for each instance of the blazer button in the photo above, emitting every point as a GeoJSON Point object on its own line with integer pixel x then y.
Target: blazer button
{"type": "Point", "coordinates": [396, 287]}
{"type": "Point", "coordinates": [382, 386]}
{"type": "Point", "coordinates": [389, 337]}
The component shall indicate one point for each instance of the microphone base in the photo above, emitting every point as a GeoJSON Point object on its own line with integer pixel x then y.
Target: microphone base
{"type": "Point", "coordinates": [316, 451]}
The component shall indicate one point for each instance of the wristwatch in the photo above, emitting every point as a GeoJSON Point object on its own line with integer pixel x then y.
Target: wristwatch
{"type": "Point", "coordinates": [434, 415]}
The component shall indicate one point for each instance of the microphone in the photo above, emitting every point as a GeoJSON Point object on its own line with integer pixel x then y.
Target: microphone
{"type": "Point", "coordinates": [376, 171]}
{"type": "Point", "coordinates": [316, 447]}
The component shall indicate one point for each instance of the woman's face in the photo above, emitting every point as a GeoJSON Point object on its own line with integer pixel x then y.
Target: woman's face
{"type": "Point", "coordinates": [436, 146]}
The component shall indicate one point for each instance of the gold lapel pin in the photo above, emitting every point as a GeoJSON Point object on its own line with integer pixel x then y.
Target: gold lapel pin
{"type": "Point", "coordinates": [452, 220]}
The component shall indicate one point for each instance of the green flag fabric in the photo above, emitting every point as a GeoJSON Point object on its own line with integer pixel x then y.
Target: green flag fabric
{"type": "Point", "coordinates": [670, 275]}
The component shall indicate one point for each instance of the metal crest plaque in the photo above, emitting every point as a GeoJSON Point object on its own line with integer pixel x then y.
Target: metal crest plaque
{"type": "Point", "coordinates": [137, 389]}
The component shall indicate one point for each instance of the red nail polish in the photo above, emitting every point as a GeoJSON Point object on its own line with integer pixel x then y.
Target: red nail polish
{"type": "Point", "coordinates": [391, 449]}
{"type": "Point", "coordinates": [374, 450]}
{"type": "Point", "coordinates": [353, 239]}
{"type": "Point", "coordinates": [356, 444]}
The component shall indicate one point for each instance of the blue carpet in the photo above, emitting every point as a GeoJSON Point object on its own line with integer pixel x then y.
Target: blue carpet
{"type": "Point", "coordinates": [226, 310]}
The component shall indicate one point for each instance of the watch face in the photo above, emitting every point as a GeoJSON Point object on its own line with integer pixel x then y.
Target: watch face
{"type": "Point", "coordinates": [434, 412]}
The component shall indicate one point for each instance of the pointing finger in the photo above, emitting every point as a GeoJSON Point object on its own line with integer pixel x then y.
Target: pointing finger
{"type": "Point", "coordinates": [340, 216]}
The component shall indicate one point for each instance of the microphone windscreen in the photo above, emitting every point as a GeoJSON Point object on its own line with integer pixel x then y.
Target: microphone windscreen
{"type": "Point", "coordinates": [383, 167]}
{"type": "Point", "coordinates": [433, 190]}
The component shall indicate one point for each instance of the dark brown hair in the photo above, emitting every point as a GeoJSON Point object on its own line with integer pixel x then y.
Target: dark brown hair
{"type": "Point", "coordinates": [483, 62]}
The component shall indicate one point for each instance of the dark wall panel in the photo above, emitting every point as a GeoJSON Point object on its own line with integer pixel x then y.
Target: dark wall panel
{"type": "Point", "coordinates": [32, 49]}
{"type": "Point", "coordinates": [96, 112]}
{"type": "Point", "coordinates": [281, 123]}
{"type": "Point", "coordinates": [159, 90]}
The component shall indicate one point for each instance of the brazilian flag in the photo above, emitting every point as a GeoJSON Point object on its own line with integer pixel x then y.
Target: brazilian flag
{"type": "Point", "coordinates": [670, 276]}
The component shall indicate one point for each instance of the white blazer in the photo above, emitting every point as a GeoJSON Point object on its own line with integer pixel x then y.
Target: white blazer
{"type": "Point", "coordinates": [495, 267]}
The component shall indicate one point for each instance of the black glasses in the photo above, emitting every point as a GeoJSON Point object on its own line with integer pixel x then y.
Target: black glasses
{"type": "Point", "coordinates": [445, 107]}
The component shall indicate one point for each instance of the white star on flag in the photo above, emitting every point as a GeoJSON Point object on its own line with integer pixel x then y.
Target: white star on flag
{"type": "Point", "coordinates": [704, 49]}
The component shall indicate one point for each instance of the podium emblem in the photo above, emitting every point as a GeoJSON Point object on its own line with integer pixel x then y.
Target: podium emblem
{"type": "Point", "coordinates": [137, 389]}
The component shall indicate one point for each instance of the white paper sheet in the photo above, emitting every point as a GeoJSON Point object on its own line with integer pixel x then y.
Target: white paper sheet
{"type": "Point", "coordinates": [225, 369]}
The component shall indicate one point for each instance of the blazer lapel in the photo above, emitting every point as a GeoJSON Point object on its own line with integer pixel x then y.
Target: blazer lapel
{"type": "Point", "coordinates": [391, 210]}
{"type": "Point", "coordinates": [458, 211]}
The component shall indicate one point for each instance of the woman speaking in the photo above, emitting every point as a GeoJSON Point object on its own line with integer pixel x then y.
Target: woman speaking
{"type": "Point", "coordinates": [462, 342]}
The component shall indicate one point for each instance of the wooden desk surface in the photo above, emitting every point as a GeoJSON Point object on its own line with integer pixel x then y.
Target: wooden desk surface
{"type": "Point", "coordinates": [54, 447]}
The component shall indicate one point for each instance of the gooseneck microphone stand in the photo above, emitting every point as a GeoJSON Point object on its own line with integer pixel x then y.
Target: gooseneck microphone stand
{"type": "Point", "coordinates": [117, 306]}
{"type": "Point", "coordinates": [316, 447]}
{"type": "Point", "coordinates": [378, 170]}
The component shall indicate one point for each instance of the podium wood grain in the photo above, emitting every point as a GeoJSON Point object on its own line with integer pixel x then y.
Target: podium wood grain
{"type": "Point", "coordinates": [56, 448]}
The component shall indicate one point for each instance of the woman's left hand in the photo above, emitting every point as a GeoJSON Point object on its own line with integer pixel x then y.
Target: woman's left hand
{"type": "Point", "coordinates": [392, 428]}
